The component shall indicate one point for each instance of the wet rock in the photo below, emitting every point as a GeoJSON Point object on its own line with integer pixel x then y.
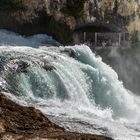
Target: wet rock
{"type": "Point", "coordinates": [22, 67]}
{"type": "Point", "coordinates": [72, 53]}
{"type": "Point", "coordinates": [48, 67]}
{"type": "Point", "coordinates": [26, 123]}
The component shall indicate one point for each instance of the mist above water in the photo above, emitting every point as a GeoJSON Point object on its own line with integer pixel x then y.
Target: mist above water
{"type": "Point", "coordinates": [126, 62]}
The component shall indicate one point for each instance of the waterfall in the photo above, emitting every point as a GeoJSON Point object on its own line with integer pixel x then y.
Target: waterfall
{"type": "Point", "coordinates": [69, 82]}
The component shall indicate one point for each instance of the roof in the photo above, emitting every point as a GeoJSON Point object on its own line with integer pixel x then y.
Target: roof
{"type": "Point", "coordinates": [99, 27]}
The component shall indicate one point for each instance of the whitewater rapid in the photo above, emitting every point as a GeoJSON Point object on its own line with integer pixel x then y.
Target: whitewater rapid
{"type": "Point", "coordinates": [69, 84]}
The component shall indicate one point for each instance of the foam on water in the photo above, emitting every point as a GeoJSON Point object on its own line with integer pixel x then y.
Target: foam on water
{"type": "Point", "coordinates": [72, 86]}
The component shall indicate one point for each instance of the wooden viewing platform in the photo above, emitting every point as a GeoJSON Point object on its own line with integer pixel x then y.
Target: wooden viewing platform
{"type": "Point", "coordinates": [101, 35]}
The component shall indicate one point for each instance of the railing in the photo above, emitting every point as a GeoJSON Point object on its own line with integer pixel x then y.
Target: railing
{"type": "Point", "coordinates": [107, 39]}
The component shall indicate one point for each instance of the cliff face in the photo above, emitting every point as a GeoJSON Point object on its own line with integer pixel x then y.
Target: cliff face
{"type": "Point", "coordinates": [59, 17]}
{"type": "Point", "coordinates": [121, 12]}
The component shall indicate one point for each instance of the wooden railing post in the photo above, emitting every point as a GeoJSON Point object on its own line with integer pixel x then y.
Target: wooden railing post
{"type": "Point", "coordinates": [84, 36]}
{"type": "Point", "coordinates": [119, 39]}
{"type": "Point", "coordinates": [96, 37]}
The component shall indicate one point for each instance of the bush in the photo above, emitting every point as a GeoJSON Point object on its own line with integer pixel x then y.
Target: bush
{"type": "Point", "coordinates": [10, 5]}
{"type": "Point", "coordinates": [135, 39]}
{"type": "Point", "coordinates": [60, 31]}
{"type": "Point", "coordinates": [73, 7]}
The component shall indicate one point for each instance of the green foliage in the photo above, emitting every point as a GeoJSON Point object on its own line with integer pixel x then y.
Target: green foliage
{"type": "Point", "coordinates": [74, 7]}
{"type": "Point", "coordinates": [10, 5]}
{"type": "Point", "coordinates": [135, 39]}
{"type": "Point", "coordinates": [60, 31]}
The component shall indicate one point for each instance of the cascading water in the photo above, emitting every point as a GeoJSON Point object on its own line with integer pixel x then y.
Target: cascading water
{"type": "Point", "coordinates": [71, 85]}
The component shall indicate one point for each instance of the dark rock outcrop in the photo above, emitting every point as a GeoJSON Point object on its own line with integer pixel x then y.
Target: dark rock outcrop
{"type": "Point", "coordinates": [48, 67]}
{"type": "Point", "coordinates": [26, 123]}
{"type": "Point", "coordinates": [22, 67]}
{"type": "Point", "coordinates": [32, 18]}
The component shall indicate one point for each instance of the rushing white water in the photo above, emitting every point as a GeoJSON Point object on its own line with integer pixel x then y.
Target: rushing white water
{"type": "Point", "coordinates": [72, 86]}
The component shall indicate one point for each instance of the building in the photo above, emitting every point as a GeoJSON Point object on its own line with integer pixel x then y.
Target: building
{"type": "Point", "coordinates": [101, 35]}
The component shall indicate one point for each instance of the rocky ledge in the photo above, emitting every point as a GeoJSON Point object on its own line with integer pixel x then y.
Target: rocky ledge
{"type": "Point", "coordinates": [26, 123]}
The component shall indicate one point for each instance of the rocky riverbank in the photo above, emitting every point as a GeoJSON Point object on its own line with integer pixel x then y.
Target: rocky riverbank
{"type": "Point", "coordinates": [26, 123]}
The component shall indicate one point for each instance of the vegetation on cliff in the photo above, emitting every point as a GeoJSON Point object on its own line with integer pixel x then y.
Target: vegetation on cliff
{"type": "Point", "coordinates": [74, 7]}
{"type": "Point", "coordinates": [135, 39]}
{"type": "Point", "coordinates": [60, 31]}
{"type": "Point", "coordinates": [11, 5]}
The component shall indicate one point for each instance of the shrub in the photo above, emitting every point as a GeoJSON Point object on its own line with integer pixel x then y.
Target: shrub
{"type": "Point", "coordinates": [60, 31]}
{"type": "Point", "coordinates": [73, 7]}
{"type": "Point", "coordinates": [10, 5]}
{"type": "Point", "coordinates": [135, 39]}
